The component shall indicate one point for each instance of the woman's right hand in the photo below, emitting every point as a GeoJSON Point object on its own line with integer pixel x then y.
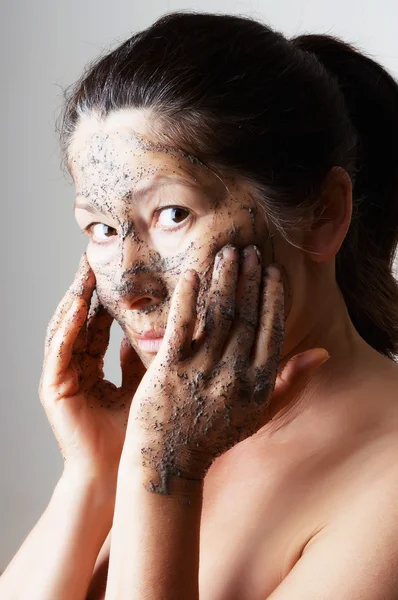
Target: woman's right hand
{"type": "Point", "coordinates": [87, 413]}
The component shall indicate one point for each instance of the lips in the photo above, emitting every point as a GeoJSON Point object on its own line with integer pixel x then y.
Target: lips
{"type": "Point", "coordinates": [150, 345]}
{"type": "Point", "coordinates": [150, 334]}
{"type": "Point", "coordinates": [150, 340]}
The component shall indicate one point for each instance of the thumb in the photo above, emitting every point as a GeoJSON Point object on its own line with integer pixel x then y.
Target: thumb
{"type": "Point", "coordinates": [295, 375]}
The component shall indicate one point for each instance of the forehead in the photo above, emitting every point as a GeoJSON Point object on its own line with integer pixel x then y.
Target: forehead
{"type": "Point", "coordinates": [111, 159]}
{"type": "Point", "coordinates": [123, 141]}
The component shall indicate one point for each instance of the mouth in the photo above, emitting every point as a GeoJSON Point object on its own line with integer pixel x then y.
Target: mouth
{"type": "Point", "coordinates": [149, 341]}
{"type": "Point", "coordinates": [151, 345]}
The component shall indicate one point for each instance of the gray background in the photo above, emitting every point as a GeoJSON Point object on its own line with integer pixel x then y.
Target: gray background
{"type": "Point", "coordinates": [44, 47]}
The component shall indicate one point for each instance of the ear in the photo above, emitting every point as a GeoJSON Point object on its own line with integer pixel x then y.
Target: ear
{"type": "Point", "coordinates": [330, 224]}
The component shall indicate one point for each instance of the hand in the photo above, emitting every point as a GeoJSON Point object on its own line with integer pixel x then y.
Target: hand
{"type": "Point", "coordinates": [87, 413]}
{"type": "Point", "coordinates": [200, 397]}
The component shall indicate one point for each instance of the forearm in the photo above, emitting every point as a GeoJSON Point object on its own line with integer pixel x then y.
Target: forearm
{"type": "Point", "coordinates": [155, 540]}
{"type": "Point", "coordinates": [57, 558]}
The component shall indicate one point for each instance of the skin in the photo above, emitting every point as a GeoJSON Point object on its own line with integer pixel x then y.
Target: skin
{"type": "Point", "coordinates": [137, 272]}
{"type": "Point", "coordinates": [134, 270]}
{"type": "Point", "coordinates": [198, 401]}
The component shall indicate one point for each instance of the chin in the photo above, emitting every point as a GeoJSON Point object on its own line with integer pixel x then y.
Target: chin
{"type": "Point", "coordinates": [146, 359]}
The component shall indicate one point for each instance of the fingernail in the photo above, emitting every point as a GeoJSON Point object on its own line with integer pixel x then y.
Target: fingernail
{"type": "Point", "coordinates": [191, 275]}
{"type": "Point", "coordinates": [217, 260]}
{"type": "Point", "coordinates": [230, 252]}
{"type": "Point", "coordinates": [83, 264]}
{"type": "Point", "coordinates": [274, 272]}
{"type": "Point", "coordinates": [308, 358]}
{"type": "Point", "coordinates": [327, 356]}
{"type": "Point", "coordinates": [260, 258]}
{"type": "Point", "coordinates": [250, 256]}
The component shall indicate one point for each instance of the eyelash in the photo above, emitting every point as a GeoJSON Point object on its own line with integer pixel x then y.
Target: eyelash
{"type": "Point", "coordinates": [157, 212]}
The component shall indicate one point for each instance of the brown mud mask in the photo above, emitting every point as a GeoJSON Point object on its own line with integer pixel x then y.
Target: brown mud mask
{"type": "Point", "coordinates": [138, 268]}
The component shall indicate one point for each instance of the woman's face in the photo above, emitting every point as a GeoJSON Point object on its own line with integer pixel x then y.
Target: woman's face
{"type": "Point", "coordinates": [150, 213]}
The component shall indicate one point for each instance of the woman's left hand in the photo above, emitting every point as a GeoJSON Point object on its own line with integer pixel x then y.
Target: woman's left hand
{"type": "Point", "coordinates": [199, 398]}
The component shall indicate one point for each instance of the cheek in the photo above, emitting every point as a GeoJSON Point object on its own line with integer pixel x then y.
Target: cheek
{"type": "Point", "coordinates": [103, 261]}
{"type": "Point", "coordinates": [103, 279]}
{"type": "Point", "coordinates": [99, 257]}
{"type": "Point", "coordinates": [106, 297]}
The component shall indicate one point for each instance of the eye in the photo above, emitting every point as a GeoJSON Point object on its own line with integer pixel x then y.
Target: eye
{"type": "Point", "coordinates": [172, 215]}
{"type": "Point", "coordinates": [100, 232]}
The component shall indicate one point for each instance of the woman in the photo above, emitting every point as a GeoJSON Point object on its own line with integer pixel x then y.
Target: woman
{"type": "Point", "coordinates": [239, 193]}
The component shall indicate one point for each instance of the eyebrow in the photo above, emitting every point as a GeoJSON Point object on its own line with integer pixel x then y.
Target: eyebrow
{"type": "Point", "coordinates": [138, 194]}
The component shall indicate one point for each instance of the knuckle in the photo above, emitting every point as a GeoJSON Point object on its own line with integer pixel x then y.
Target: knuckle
{"type": "Point", "coordinates": [216, 312]}
{"type": "Point", "coordinates": [227, 311]}
{"type": "Point", "coordinates": [249, 323]}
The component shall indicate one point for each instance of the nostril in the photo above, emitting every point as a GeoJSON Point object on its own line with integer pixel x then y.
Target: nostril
{"type": "Point", "coordinates": [139, 293]}
{"type": "Point", "coordinates": [142, 302]}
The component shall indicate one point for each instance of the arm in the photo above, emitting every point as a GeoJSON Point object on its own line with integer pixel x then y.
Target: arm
{"type": "Point", "coordinates": [57, 558]}
{"type": "Point", "coordinates": [97, 588]}
{"type": "Point", "coordinates": [184, 414]}
{"type": "Point", "coordinates": [155, 539]}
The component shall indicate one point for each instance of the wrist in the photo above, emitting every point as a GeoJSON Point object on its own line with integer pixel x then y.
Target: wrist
{"type": "Point", "coordinates": [89, 484]}
{"type": "Point", "coordinates": [78, 515]}
{"type": "Point", "coordinates": [159, 477]}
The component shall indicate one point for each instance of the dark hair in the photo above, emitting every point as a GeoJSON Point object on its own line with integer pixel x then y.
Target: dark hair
{"type": "Point", "coordinates": [279, 113]}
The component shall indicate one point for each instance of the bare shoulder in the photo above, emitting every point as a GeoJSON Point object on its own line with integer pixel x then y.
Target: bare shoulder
{"type": "Point", "coordinates": [354, 554]}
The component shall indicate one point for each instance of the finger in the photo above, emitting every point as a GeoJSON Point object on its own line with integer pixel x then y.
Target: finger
{"type": "Point", "coordinates": [295, 375]}
{"type": "Point", "coordinates": [132, 367]}
{"type": "Point", "coordinates": [67, 300]}
{"type": "Point", "coordinates": [220, 311]}
{"type": "Point", "coordinates": [242, 336]}
{"type": "Point", "coordinates": [176, 344]}
{"type": "Point", "coordinates": [80, 343]}
{"type": "Point", "coordinates": [86, 291]}
{"type": "Point", "coordinates": [270, 332]}
{"type": "Point", "coordinates": [83, 282]}
{"type": "Point", "coordinates": [202, 302]}
{"type": "Point", "coordinates": [99, 324]}
{"type": "Point", "coordinates": [60, 350]}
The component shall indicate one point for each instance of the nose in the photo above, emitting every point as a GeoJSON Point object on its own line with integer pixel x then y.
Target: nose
{"type": "Point", "coordinates": [141, 285]}
{"type": "Point", "coordinates": [140, 288]}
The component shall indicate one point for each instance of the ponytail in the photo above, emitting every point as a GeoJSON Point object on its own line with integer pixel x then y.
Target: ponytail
{"type": "Point", "coordinates": [281, 113]}
{"type": "Point", "coordinates": [364, 264]}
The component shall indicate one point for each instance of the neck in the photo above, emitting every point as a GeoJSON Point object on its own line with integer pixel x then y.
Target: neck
{"type": "Point", "coordinates": [338, 386]}
{"type": "Point", "coordinates": [335, 410]}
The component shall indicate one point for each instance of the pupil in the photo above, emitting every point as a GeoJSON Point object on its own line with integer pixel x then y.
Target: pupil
{"type": "Point", "coordinates": [178, 214]}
